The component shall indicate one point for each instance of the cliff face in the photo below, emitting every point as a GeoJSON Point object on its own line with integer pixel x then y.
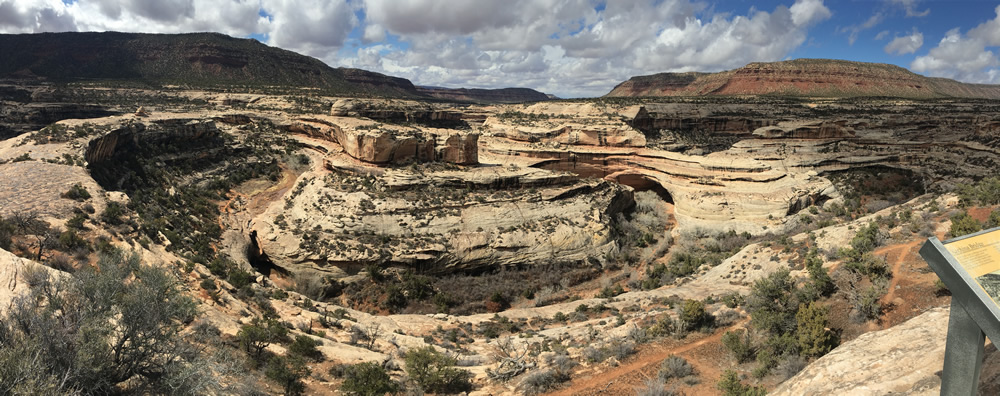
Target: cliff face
{"type": "Point", "coordinates": [503, 95]}
{"type": "Point", "coordinates": [805, 77]}
{"type": "Point", "coordinates": [202, 59]}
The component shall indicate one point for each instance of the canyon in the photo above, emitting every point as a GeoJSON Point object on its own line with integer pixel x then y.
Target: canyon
{"type": "Point", "coordinates": [566, 246]}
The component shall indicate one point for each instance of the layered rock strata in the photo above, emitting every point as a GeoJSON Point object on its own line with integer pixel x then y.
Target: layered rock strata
{"type": "Point", "coordinates": [440, 220]}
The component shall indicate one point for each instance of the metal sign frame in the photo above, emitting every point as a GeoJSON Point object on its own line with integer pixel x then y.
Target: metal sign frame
{"type": "Point", "coordinates": [974, 314]}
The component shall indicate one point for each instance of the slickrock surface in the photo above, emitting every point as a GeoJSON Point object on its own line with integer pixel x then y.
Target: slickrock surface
{"type": "Point", "coordinates": [14, 275]}
{"type": "Point", "coordinates": [903, 360]}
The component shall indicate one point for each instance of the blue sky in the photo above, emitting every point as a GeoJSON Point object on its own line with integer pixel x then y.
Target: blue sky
{"type": "Point", "coordinates": [570, 48]}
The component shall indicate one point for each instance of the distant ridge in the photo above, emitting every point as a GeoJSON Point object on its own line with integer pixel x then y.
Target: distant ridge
{"type": "Point", "coordinates": [502, 95]}
{"type": "Point", "coordinates": [196, 59]}
{"type": "Point", "coordinates": [807, 78]}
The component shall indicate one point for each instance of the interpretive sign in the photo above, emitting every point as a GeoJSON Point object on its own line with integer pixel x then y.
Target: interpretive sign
{"type": "Point", "coordinates": [970, 267]}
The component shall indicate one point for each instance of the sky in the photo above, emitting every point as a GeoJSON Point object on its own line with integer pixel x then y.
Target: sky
{"type": "Point", "coordinates": [569, 48]}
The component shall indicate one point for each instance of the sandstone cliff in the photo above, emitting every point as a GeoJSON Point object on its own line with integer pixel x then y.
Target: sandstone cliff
{"type": "Point", "coordinates": [502, 95]}
{"type": "Point", "coordinates": [805, 77]}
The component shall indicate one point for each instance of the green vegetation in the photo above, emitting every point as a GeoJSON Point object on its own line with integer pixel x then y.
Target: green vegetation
{"type": "Point", "coordinates": [674, 367]}
{"type": "Point", "coordinates": [694, 316]}
{"type": "Point", "coordinates": [288, 372]}
{"type": "Point", "coordinates": [962, 224]}
{"type": "Point", "coordinates": [789, 320]}
{"type": "Point", "coordinates": [740, 344]}
{"type": "Point", "coordinates": [434, 371]}
{"type": "Point", "coordinates": [367, 379]}
{"type": "Point", "coordinates": [77, 193]}
{"type": "Point", "coordinates": [305, 347]}
{"type": "Point", "coordinates": [984, 193]}
{"type": "Point", "coordinates": [100, 332]}
{"type": "Point", "coordinates": [731, 385]}
{"type": "Point", "coordinates": [813, 337]}
{"type": "Point", "coordinates": [253, 338]}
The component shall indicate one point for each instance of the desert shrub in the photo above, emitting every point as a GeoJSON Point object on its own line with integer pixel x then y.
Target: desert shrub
{"type": "Point", "coordinates": [497, 302]}
{"type": "Point", "coordinates": [867, 239]}
{"type": "Point", "coordinates": [435, 371]}
{"type": "Point", "coordinates": [539, 381]}
{"type": "Point", "coordinates": [674, 367]}
{"type": "Point", "coordinates": [772, 303]}
{"type": "Point", "coordinates": [772, 350]}
{"type": "Point", "coordinates": [7, 230]}
{"type": "Point", "coordinates": [76, 222]}
{"type": "Point", "coordinates": [593, 355]}
{"type": "Point", "coordinates": [77, 193]}
{"type": "Point", "coordinates": [994, 220]}
{"type": "Point", "coordinates": [820, 283]}
{"type": "Point", "coordinates": [962, 224]}
{"type": "Point", "coordinates": [544, 281]}
{"type": "Point", "coordinates": [731, 385]}
{"type": "Point", "coordinates": [790, 366]}
{"type": "Point", "coordinates": [655, 387]}
{"type": "Point", "coordinates": [986, 192]}
{"type": "Point", "coordinates": [562, 364]}
{"type": "Point", "coordinates": [69, 240]}
{"type": "Point", "coordinates": [739, 343]}
{"type": "Point", "coordinates": [611, 291]}
{"type": "Point", "coordinates": [305, 346]}
{"type": "Point", "coordinates": [870, 265]}
{"type": "Point", "coordinates": [375, 272]}
{"type": "Point", "coordinates": [316, 286]}
{"type": "Point", "coordinates": [814, 336]}
{"type": "Point", "coordinates": [684, 263]}
{"type": "Point", "coordinates": [240, 278]}
{"type": "Point", "coordinates": [205, 332]}
{"type": "Point", "coordinates": [99, 332]}
{"type": "Point", "coordinates": [260, 333]}
{"type": "Point", "coordinates": [395, 299]}
{"type": "Point", "coordinates": [113, 213]}
{"type": "Point", "coordinates": [208, 284]}
{"type": "Point", "coordinates": [620, 349]}
{"type": "Point", "coordinates": [732, 300]}
{"type": "Point", "coordinates": [667, 325]}
{"type": "Point", "coordinates": [61, 262]}
{"type": "Point", "coordinates": [694, 316]}
{"type": "Point", "coordinates": [866, 301]}
{"type": "Point", "coordinates": [367, 379]}
{"type": "Point", "coordinates": [288, 372]}
{"type": "Point", "coordinates": [727, 318]}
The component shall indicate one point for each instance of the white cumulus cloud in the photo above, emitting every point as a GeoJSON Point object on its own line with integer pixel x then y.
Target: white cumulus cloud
{"type": "Point", "coordinates": [965, 57]}
{"type": "Point", "coordinates": [905, 44]}
{"type": "Point", "coordinates": [573, 47]}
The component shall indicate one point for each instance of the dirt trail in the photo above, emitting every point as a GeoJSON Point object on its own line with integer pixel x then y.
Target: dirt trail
{"type": "Point", "coordinates": [896, 255]}
{"type": "Point", "coordinates": [627, 376]}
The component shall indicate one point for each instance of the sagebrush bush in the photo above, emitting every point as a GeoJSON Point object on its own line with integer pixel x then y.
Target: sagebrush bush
{"type": "Point", "coordinates": [674, 367]}
{"type": "Point", "coordinates": [655, 387]}
{"type": "Point", "coordinates": [100, 332]}
{"type": "Point", "coordinates": [539, 381]}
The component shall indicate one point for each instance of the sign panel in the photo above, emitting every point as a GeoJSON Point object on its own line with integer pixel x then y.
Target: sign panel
{"type": "Point", "coordinates": [979, 255]}
{"type": "Point", "coordinates": [970, 267]}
